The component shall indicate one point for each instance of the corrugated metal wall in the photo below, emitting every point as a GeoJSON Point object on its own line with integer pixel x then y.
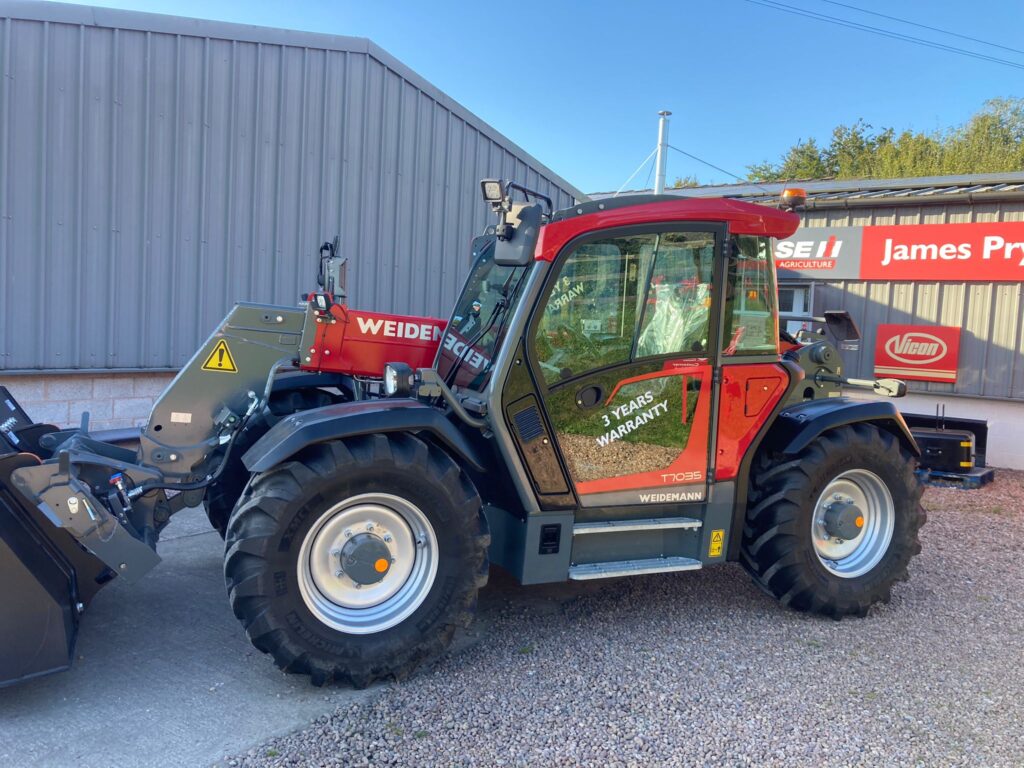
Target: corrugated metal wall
{"type": "Point", "coordinates": [153, 170]}
{"type": "Point", "coordinates": [990, 314]}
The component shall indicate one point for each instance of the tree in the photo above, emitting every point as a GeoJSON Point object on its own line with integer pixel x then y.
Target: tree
{"type": "Point", "coordinates": [682, 182]}
{"type": "Point", "coordinates": [992, 140]}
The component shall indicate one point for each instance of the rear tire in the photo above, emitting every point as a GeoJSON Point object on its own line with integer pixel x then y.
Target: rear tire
{"type": "Point", "coordinates": [224, 494]}
{"type": "Point", "coordinates": [294, 527]}
{"type": "Point", "coordinates": [788, 549]}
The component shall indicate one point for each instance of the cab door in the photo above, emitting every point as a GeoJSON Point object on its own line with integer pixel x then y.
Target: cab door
{"type": "Point", "coordinates": [620, 348]}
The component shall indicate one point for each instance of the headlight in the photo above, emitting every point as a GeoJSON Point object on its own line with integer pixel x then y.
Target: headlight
{"type": "Point", "coordinates": [397, 380]}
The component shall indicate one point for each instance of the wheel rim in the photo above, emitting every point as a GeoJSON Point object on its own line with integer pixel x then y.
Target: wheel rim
{"type": "Point", "coordinates": [869, 496]}
{"type": "Point", "coordinates": [336, 585]}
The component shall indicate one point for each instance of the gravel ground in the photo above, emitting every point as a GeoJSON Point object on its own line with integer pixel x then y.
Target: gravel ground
{"type": "Point", "coordinates": [702, 668]}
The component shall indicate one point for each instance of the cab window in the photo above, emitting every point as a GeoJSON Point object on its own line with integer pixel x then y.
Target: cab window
{"type": "Point", "coordinates": [621, 299]}
{"type": "Point", "coordinates": [678, 308]}
{"type": "Point", "coordinates": [750, 325]}
{"type": "Point", "coordinates": [594, 305]}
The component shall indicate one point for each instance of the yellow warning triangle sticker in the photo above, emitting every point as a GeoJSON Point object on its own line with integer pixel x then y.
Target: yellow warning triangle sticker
{"type": "Point", "coordinates": [717, 542]}
{"type": "Point", "coordinates": [220, 359]}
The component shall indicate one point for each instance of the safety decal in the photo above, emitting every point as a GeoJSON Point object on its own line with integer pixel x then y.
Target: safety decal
{"type": "Point", "coordinates": [220, 359]}
{"type": "Point", "coordinates": [717, 542]}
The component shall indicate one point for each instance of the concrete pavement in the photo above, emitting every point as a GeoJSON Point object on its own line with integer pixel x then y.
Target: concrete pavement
{"type": "Point", "coordinates": [164, 676]}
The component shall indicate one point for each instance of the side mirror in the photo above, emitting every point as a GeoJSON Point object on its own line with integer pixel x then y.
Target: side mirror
{"type": "Point", "coordinates": [890, 387]}
{"type": "Point", "coordinates": [515, 249]}
{"type": "Point", "coordinates": [841, 325]}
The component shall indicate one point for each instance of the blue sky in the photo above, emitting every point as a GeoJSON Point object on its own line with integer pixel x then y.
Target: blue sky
{"type": "Point", "coordinates": [579, 84]}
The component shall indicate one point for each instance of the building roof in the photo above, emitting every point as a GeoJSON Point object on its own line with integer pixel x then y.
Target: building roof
{"type": "Point", "coordinates": [844, 193]}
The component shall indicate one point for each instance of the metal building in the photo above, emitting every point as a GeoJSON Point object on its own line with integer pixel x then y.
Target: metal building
{"type": "Point", "coordinates": [958, 290]}
{"type": "Point", "coordinates": [155, 169]}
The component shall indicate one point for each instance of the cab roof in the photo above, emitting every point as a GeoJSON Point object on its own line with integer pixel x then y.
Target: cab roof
{"type": "Point", "coordinates": [596, 215]}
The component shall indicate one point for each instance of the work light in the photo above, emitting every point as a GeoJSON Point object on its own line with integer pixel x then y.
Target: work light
{"type": "Point", "coordinates": [398, 379]}
{"type": "Point", "coordinates": [492, 189]}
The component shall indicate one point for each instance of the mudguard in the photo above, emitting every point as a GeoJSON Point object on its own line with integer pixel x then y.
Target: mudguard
{"type": "Point", "coordinates": [365, 417]}
{"type": "Point", "coordinates": [796, 426]}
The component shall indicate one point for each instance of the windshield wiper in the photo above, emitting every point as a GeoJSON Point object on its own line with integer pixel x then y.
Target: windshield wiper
{"type": "Point", "coordinates": [499, 310]}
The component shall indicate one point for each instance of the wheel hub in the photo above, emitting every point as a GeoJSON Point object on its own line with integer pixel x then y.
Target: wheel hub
{"type": "Point", "coordinates": [853, 523]}
{"type": "Point", "coordinates": [367, 563]}
{"type": "Point", "coordinates": [843, 519]}
{"type": "Point", "coordinates": [365, 559]}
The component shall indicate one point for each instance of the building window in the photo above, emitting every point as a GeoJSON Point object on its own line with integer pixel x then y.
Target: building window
{"type": "Point", "coordinates": [795, 301]}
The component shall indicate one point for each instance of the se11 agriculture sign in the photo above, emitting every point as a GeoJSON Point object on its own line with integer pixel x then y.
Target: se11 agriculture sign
{"type": "Point", "coordinates": [919, 352]}
{"type": "Point", "coordinates": [979, 252]}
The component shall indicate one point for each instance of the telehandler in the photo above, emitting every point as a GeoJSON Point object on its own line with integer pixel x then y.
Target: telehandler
{"type": "Point", "coordinates": [611, 396]}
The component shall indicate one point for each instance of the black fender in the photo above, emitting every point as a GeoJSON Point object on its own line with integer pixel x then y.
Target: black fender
{"type": "Point", "coordinates": [362, 417]}
{"type": "Point", "coordinates": [796, 426]}
{"type": "Point", "coordinates": [287, 380]}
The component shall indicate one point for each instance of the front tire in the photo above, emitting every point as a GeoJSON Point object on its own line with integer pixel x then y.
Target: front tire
{"type": "Point", "coordinates": [831, 530]}
{"type": "Point", "coordinates": [357, 560]}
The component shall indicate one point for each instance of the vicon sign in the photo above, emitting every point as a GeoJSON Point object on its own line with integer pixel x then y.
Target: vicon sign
{"type": "Point", "coordinates": [919, 352]}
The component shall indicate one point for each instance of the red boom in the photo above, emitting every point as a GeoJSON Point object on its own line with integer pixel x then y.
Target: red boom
{"type": "Point", "coordinates": [360, 343]}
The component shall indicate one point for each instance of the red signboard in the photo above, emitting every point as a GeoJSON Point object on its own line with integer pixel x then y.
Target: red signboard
{"type": "Point", "coordinates": [919, 352]}
{"type": "Point", "coordinates": [991, 252]}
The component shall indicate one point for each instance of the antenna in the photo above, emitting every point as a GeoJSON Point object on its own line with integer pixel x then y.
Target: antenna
{"type": "Point", "coordinates": [659, 174]}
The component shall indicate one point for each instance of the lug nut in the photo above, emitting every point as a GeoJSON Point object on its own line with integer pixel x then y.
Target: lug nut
{"type": "Point", "coordinates": [387, 538]}
{"type": "Point", "coordinates": [339, 573]}
{"type": "Point", "coordinates": [370, 526]}
{"type": "Point", "coordinates": [336, 552]}
{"type": "Point", "coordinates": [348, 533]}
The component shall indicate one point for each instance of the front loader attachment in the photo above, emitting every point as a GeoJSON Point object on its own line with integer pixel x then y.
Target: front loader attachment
{"type": "Point", "coordinates": [39, 595]}
{"type": "Point", "coordinates": [77, 511]}
{"type": "Point", "coordinates": [47, 577]}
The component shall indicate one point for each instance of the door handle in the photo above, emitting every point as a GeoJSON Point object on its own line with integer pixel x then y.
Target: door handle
{"type": "Point", "coordinates": [590, 396]}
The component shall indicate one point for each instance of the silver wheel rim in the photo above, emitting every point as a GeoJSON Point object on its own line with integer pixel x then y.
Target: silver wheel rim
{"type": "Point", "coordinates": [340, 602]}
{"type": "Point", "coordinates": [849, 558]}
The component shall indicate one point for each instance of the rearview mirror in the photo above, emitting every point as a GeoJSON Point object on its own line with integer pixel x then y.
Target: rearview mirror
{"type": "Point", "coordinates": [841, 325]}
{"type": "Point", "coordinates": [515, 248]}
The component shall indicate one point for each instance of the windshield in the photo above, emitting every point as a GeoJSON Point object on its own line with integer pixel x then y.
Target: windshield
{"type": "Point", "coordinates": [480, 319]}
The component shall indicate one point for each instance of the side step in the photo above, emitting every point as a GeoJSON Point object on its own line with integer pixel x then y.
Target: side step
{"type": "Point", "coordinates": [648, 524]}
{"type": "Point", "coordinates": [632, 568]}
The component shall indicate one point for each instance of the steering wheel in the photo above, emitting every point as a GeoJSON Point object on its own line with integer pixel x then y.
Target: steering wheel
{"type": "Point", "coordinates": [576, 338]}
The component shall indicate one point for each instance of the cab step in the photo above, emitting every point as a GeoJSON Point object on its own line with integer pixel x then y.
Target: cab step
{"type": "Point", "coordinates": [647, 524]}
{"type": "Point", "coordinates": [632, 568]}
